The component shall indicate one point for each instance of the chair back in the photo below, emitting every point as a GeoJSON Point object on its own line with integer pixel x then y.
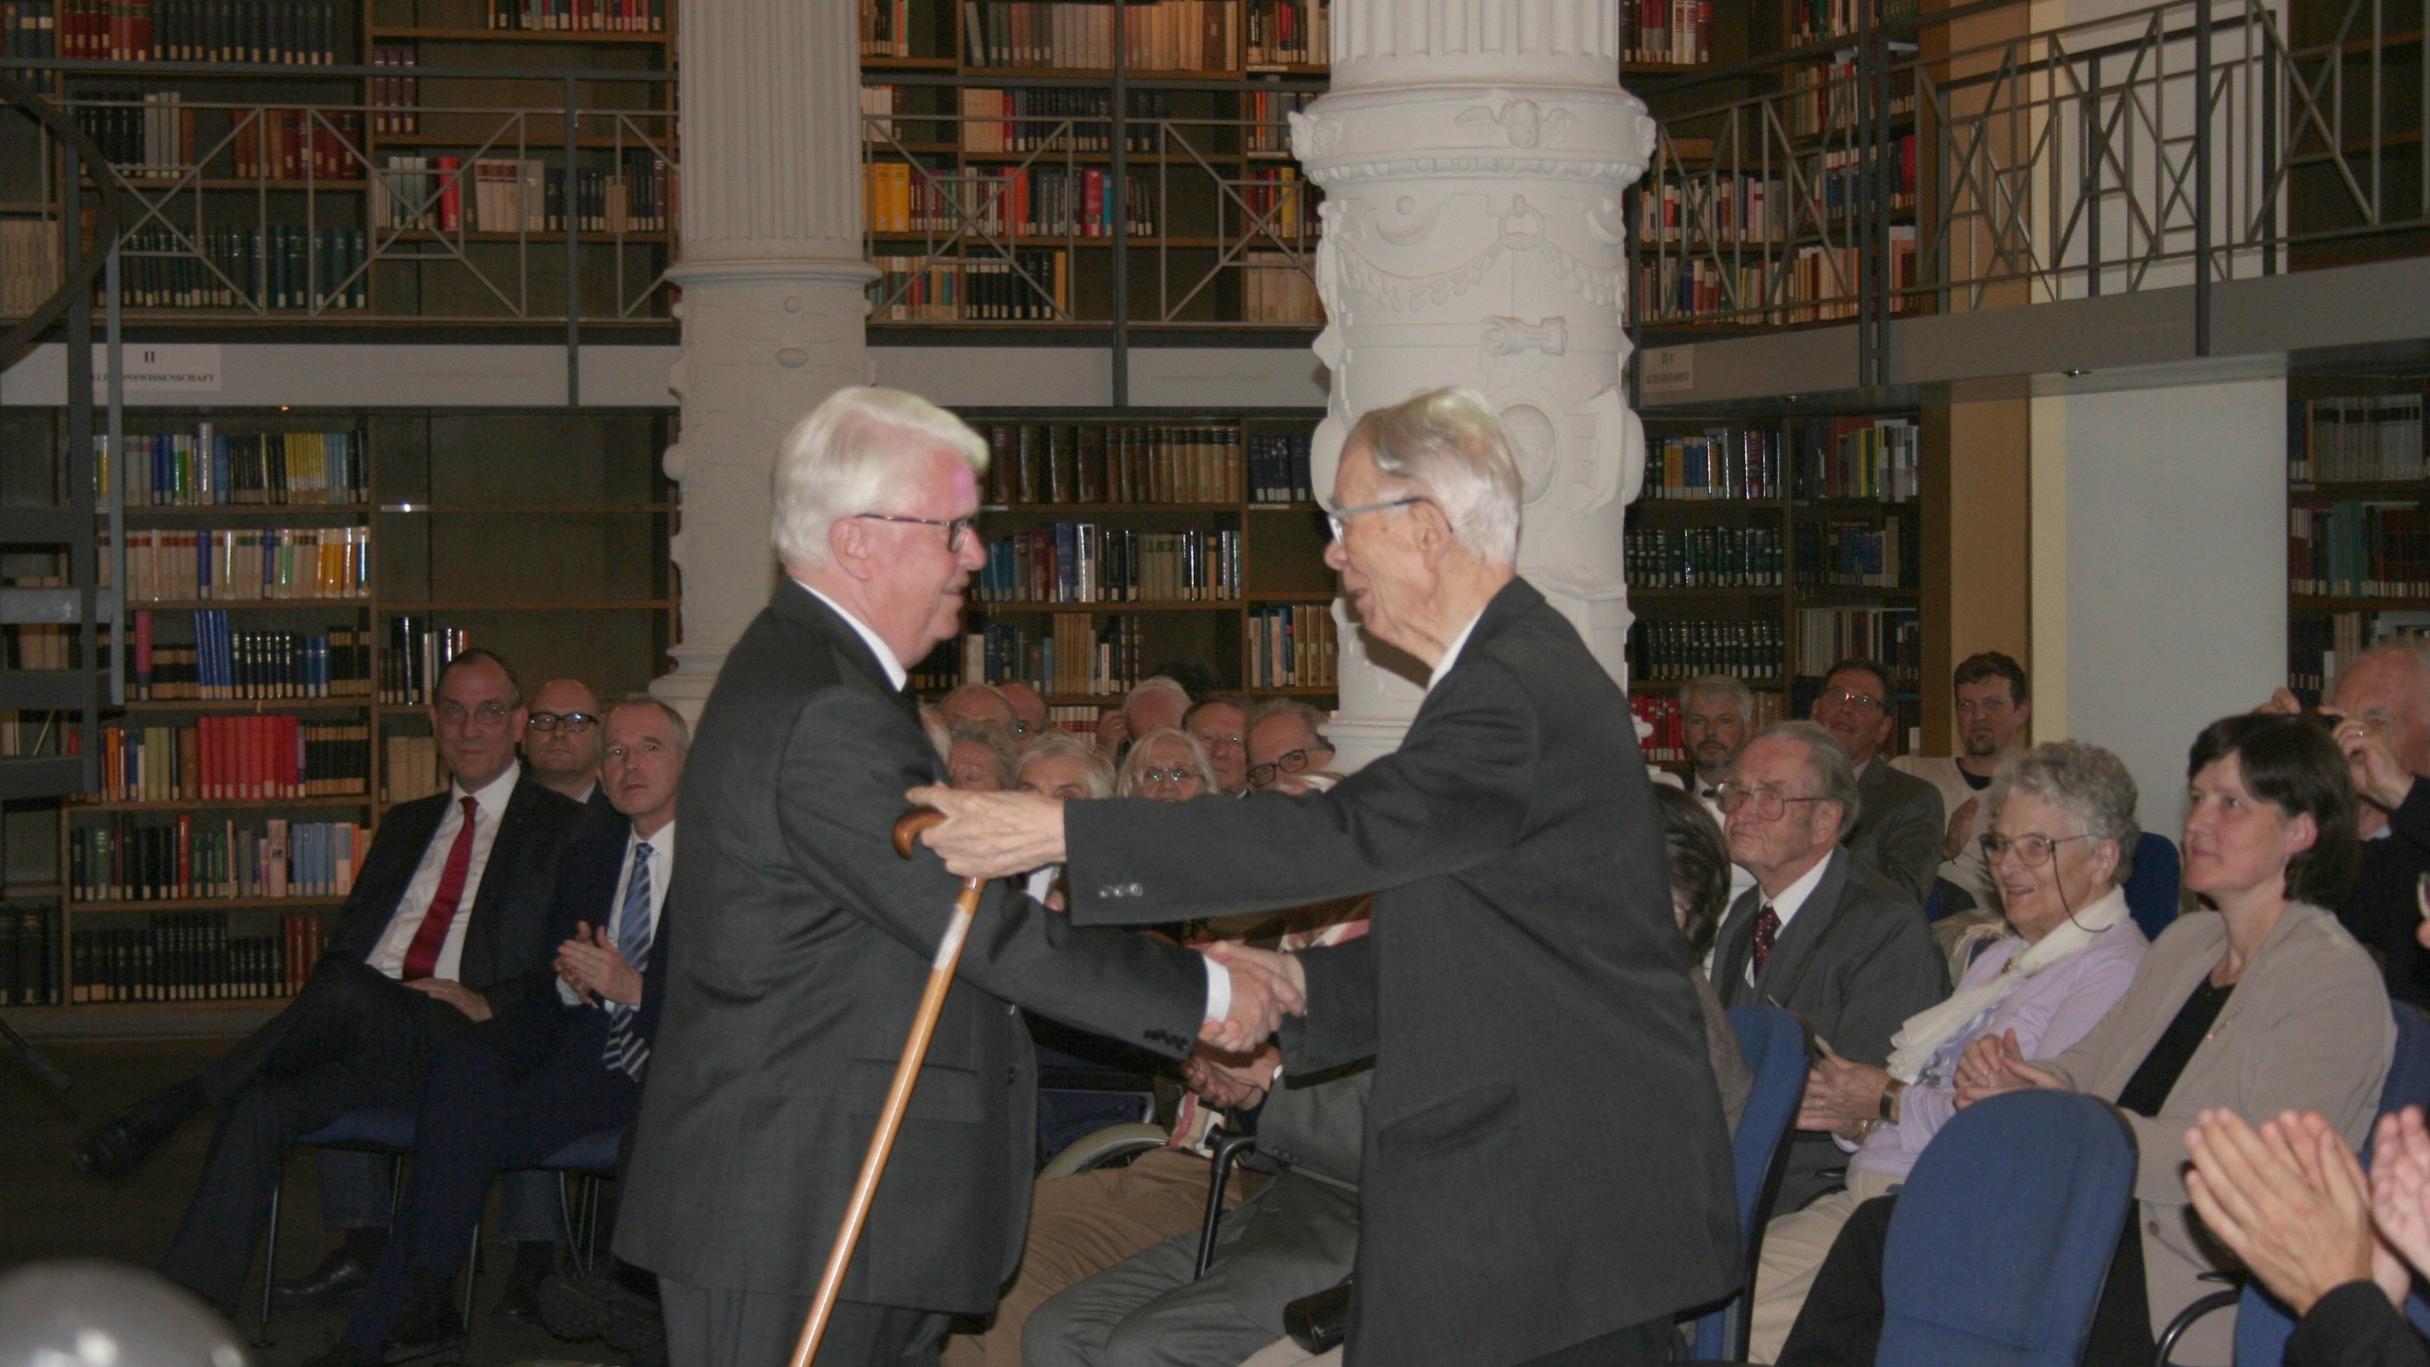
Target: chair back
{"type": "Point", "coordinates": [2003, 1234]}
{"type": "Point", "coordinates": [2156, 885]}
{"type": "Point", "coordinates": [1774, 1046]}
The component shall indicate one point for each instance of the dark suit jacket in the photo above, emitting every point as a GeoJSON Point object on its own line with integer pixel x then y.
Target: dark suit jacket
{"type": "Point", "coordinates": [507, 948]}
{"type": "Point", "coordinates": [586, 895]}
{"type": "Point", "coordinates": [1898, 832]}
{"type": "Point", "coordinates": [2381, 913]}
{"type": "Point", "coordinates": [805, 946]}
{"type": "Point", "coordinates": [1854, 963]}
{"type": "Point", "coordinates": [1545, 1160]}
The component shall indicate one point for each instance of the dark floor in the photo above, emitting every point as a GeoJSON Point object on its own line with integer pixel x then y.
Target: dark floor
{"type": "Point", "coordinates": [51, 1212]}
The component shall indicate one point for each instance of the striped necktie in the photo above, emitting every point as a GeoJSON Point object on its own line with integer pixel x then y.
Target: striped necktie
{"type": "Point", "coordinates": [626, 1051]}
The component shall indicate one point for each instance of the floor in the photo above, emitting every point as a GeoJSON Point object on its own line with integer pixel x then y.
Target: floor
{"type": "Point", "coordinates": [52, 1212]}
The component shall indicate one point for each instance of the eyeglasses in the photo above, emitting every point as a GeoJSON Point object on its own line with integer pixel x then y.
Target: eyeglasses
{"type": "Point", "coordinates": [1018, 727]}
{"type": "Point", "coordinates": [575, 723]}
{"type": "Point", "coordinates": [1288, 762]}
{"type": "Point", "coordinates": [957, 529]}
{"type": "Point", "coordinates": [1338, 516]}
{"type": "Point", "coordinates": [2035, 850]}
{"type": "Point", "coordinates": [1211, 739]}
{"type": "Point", "coordinates": [1769, 802]}
{"type": "Point", "coordinates": [489, 714]}
{"type": "Point", "coordinates": [1851, 698]}
{"type": "Point", "coordinates": [1175, 775]}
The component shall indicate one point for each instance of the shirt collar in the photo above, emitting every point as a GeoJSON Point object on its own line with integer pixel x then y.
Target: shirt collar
{"type": "Point", "coordinates": [492, 799]}
{"type": "Point", "coordinates": [662, 841]}
{"type": "Point", "coordinates": [1794, 896]}
{"type": "Point", "coordinates": [895, 673]}
{"type": "Point", "coordinates": [1451, 653]}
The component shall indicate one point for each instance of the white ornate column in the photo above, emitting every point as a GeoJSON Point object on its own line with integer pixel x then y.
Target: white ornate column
{"type": "Point", "coordinates": [1473, 154]}
{"type": "Point", "coordinates": [770, 262]}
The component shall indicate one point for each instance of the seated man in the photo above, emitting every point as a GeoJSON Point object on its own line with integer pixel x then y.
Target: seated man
{"type": "Point", "coordinates": [1899, 834]}
{"type": "Point", "coordinates": [1286, 740]}
{"type": "Point", "coordinates": [447, 924]}
{"type": "Point", "coordinates": [535, 1078]}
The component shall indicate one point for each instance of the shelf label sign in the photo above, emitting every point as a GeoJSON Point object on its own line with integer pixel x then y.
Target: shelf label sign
{"type": "Point", "coordinates": [1666, 370]}
{"type": "Point", "coordinates": [162, 368]}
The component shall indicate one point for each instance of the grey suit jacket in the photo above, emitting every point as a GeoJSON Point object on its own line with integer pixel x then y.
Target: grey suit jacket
{"type": "Point", "coordinates": [1545, 1159]}
{"type": "Point", "coordinates": [1297, 1236]}
{"type": "Point", "coordinates": [1898, 832]}
{"type": "Point", "coordinates": [1854, 963]}
{"type": "Point", "coordinates": [2307, 1029]}
{"type": "Point", "coordinates": [804, 949]}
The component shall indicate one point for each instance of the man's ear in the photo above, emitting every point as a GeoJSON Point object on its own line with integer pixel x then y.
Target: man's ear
{"type": "Point", "coordinates": [849, 547]}
{"type": "Point", "coordinates": [1433, 528]}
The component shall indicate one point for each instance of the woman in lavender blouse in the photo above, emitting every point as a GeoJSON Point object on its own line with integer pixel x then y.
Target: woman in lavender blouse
{"type": "Point", "coordinates": [2060, 835]}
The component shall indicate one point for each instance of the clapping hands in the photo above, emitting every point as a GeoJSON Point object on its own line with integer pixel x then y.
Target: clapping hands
{"type": "Point", "coordinates": [1991, 1066]}
{"type": "Point", "coordinates": [1266, 986]}
{"type": "Point", "coordinates": [2291, 1202]}
{"type": "Point", "coordinates": [592, 965]}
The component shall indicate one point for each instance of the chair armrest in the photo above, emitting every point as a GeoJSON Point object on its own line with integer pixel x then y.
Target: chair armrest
{"type": "Point", "coordinates": [1100, 1147]}
{"type": "Point", "coordinates": [2192, 1314]}
{"type": "Point", "coordinates": [1228, 1149]}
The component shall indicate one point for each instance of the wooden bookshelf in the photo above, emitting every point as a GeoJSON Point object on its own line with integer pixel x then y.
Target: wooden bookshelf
{"type": "Point", "coordinates": [2358, 522]}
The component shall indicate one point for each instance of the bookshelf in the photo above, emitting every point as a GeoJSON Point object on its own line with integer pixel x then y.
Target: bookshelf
{"type": "Point", "coordinates": [2358, 534]}
{"type": "Point", "coordinates": [1768, 550]}
{"type": "Point", "coordinates": [1123, 540]}
{"type": "Point", "coordinates": [276, 700]}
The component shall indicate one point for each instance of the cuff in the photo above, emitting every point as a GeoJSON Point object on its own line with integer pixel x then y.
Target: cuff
{"type": "Point", "coordinates": [1219, 989]}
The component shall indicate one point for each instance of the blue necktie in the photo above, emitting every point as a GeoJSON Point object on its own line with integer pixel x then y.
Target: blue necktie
{"type": "Point", "coordinates": [626, 1051]}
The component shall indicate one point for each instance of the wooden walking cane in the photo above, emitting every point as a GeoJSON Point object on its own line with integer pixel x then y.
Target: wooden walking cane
{"type": "Point", "coordinates": [907, 830]}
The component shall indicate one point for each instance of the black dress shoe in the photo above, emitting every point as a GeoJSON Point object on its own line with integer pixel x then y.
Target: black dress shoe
{"type": "Point", "coordinates": [340, 1275]}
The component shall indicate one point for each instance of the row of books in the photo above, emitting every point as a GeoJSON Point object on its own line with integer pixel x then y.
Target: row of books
{"type": "Point", "coordinates": [36, 645]}
{"type": "Point", "coordinates": [417, 649]}
{"type": "Point", "coordinates": [1287, 33]}
{"type": "Point", "coordinates": [1718, 463]}
{"type": "Point", "coordinates": [1269, 114]}
{"type": "Point", "coordinates": [192, 957]}
{"type": "Point", "coordinates": [410, 768]}
{"type": "Point", "coordinates": [1278, 287]}
{"type": "Point", "coordinates": [250, 564]}
{"type": "Point", "coordinates": [1291, 645]}
{"type": "Point", "coordinates": [1279, 468]}
{"type": "Point", "coordinates": [1151, 35]}
{"type": "Point", "coordinates": [1034, 462]}
{"type": "Point", "coordinates": [1825, 98]}
{"type": "Point", "coordinates": [28, 29]}
{"type": "Point", "coordinates": [29, 264]}
{"type": "Point", "coordinates": [1273, 201]}
{"type": "Point", "coordinates": [1813, 284]}
{"type": "Point", "coordinates": [885, 28]}
{"type": "Point", "coordinates": [520, 194]}
{"type": "Point", "coordinates": [285, 32]}
{"type": "Point", "coordinates": [2355, 549]}
{"type": "Point", "coordinates": [1671, 651]}
{"type": "Point", "coordinates": [224, 664]}
{"type": "Point", "coordinates": [207, 467]}
{"type": "Point", "coordinates": [1728, 208]}
{"type": "Point", "coordinates": [1869, 458]}
{"type": "Point", "coordinates": [1812, 21]}
{"type": "Point", "coordinates": [159, 136]}
{"type": "Point", "coordinates": [1894, 636]}
{"type": "Point", "coordinates": [2356, 437]}
{"type": "Point", "coordinates": [138, 859]}
{"type": "Point", "coordinates": [1851, 554]}
{"type": "Point", "coordinates": [280, 268]}
{"type": "Point", "coordinates": [1678, 32]}
{"type": "Point", "coordinates": [1026, 286]}
{"type": "Point", "coordinates": [29, 954]}
{"type": "Point", "coordinates": [235, 759]}
{"type": "Point", "coordinates": [1703, 557]}
{"type": "Point", "coordinates": [1016, 201]}
{"type": "Point", "coordinates": [1078, 653]}
{"type": "Point", "coordinates": [1665, 721]}
{"type": "Point", "coordinates": [1063, 119]}
{"type": "Point", "coordinates": [1088, 562]}
{"type": "Point", "coordinates": [579, 16]}
{"type": "Point", "coordinates": [2319, 643]}
{"type": "Point", "coordinates": [396, 98]}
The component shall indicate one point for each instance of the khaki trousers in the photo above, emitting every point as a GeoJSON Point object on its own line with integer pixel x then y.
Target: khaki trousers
{"type": "Point", "coordinates": [1793, 1250]}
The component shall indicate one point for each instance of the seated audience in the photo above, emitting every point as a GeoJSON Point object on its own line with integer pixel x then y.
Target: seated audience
{"type": "Point", "coordinates": [2062, 820]}
{"type": "Point", "coordinates": [1060, 765]}
{"type": "Point", "coordinates": [1165, 765]}
{"type": "Point", "coordinates": [1700, 868]}
{"type": "Point", "coordinates": [1717, 714]}
{"type": "Point", "coordinates": [1286, 740]}
{"type": "Point", "coordinates": [2266, 1006]}
{"type": "Point", "coordinates": [2383, 706]}
{"type": "Point", "coordinates": [1220, 726]}
{"type": "Point", "coordinates": [979, 704]}
{"type": "Point", "coordinates": [1820, 935]}
{"type": "Point", "coordinates": [981, 758]}
{"type": "Point", "coordinates": [1153, 704]}
{"type": "Point", "coordinates": [1899, 833]}
{"type": "Point", "coordinates": [1029, 710]}
{"type": "Point", "coordinates": [1992, 714]}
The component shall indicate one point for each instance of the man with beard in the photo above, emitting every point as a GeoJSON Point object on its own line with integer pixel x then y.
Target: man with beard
{"type": "Point", "coordinates": [1993, 711]}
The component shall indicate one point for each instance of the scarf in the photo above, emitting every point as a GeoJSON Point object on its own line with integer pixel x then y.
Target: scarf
{"type": "Point", "coordinates": [1927, 1030]}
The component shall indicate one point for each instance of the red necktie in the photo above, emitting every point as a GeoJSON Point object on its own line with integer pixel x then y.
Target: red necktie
{"type": "Point", "coordinates": [1767, 928]}
{"type": "Point", "coordinates": [423, 954]}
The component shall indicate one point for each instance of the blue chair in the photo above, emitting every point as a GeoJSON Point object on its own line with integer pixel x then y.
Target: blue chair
{"type": "Point", "coordinates": [2003, 1234]}
{"type": "Point", "coordinates": [2154, 888]}
{"type": "Point", "coordinates": [1774, 1046]}
{"type": "Point", "coordinates": [581, 1167]}
{"type": "Point", "coordinates": [368, 1129]}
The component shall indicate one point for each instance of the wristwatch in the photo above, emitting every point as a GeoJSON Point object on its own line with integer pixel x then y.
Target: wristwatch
{"type": "Point", "coordinates": [1888, 1105]}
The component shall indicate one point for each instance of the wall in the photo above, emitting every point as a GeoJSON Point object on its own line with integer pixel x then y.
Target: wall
{"type": "Point", "coordinates": [2176, 557]}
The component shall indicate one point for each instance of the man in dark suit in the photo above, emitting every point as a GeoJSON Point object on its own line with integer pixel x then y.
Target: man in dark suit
{"type": "Point", "coordinates": [541, 1075]}
{"type": "Point", "coordinates": [806, 943]}
{"type": "Point", "coordinates": [561, 742]}
{"type": "Point", "coordinates": [1820, 934]}
{"type": "Point", "coordinates": [1546, 1171]}
{"type": "Point", "coordinates": [1899, 833]}
{"type": "Point", "coordinates": [447, 924]}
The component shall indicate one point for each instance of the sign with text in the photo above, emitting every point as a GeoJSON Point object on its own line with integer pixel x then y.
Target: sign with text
{"type": "Point", "coordinates": [1666, 370]}
{"type": "Point", "coordinates": [162, 368]}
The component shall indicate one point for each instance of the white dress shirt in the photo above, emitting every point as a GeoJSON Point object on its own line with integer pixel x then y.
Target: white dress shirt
{"type": "Point", "coordinates": [1451, 653]}
{"type": "Point", "coordinates": [662, 869]}
{"type": "Point", "coordinates": [1791, 900]}
{"type": "Point", "coordinates": [389, 956]}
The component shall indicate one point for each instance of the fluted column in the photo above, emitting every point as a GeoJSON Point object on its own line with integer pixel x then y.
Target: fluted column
{"type": "Point", "coordinates": [770, 262]}
{"type": "Point", "coordinates": [1473, 155]}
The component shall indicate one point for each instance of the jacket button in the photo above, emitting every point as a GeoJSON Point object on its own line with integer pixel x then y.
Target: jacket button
{"type": "Point", "coordinates": [1130, 889]}
{"type": "Point", "coordinates": [1109, 890]}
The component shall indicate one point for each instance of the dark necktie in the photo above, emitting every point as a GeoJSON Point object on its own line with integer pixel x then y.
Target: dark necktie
{"type": "Point", "coordinates": [422, 955]}
{"type": "Point", "coordinates": [1767, 929]}
{"type": "Point", "coordinates": [626, 1051]}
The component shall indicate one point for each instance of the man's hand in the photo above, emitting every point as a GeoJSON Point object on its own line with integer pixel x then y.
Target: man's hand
{"type": "Point", "coordinates": [1961, 825]}
{"type": "Point", "coordinates": [992, 835]}
{"type": "Point", "coordinates": [2400, 1185]}
{"type": "Point", "coordinates": [591, 964]}
{"type": "Point", "coordinates": [1227, 1081]}
{"type": "Point", "coordinates": [1992, 1066]}
{"type": "Point", "coordinates": [453, 993]}
{"type": "Point", "coordinates": [2282, 703]}
{"type": "Point", "coordinates": [1265, 987]}
{"type": "Point", "coordinates": [2290, 1201]}
{"type": "Point", "coordinates": [1112, 730]}
{"type": "Point", "coordinates": [1840, 1094]}
{"type": "Point", "coordinates": [2378, 778]}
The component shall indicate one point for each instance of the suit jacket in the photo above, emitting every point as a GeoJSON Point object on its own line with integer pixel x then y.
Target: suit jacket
{"type": "Point", "coordinates": [1544, 1159]}
{"type": "Point", "coordinates": [1898, 831]}
{"type": "Point", "coordinates": [2381, 913]}
{"type": "Point", "coordinates": [507, 948]}
{"type": "Point", "coordinates": [805, 946]}
{"type": "Point", "coordinates": [586, 895]}
{"type": "Point", "coordinates": [1854, 963]}
{"type": "Point", "coordinates": [2307, 1029]}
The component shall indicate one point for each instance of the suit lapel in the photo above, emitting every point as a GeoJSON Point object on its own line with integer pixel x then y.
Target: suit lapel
{"type": "Point", "coordinates": [1785, 968]}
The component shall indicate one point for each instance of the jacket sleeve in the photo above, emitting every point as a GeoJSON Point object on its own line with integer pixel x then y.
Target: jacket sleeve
{"type": "Point", "coordinates": [1340, 1025]}
{"type": "Point", "coordinates": [1902, 974]}
{"type": "Point", "coordinates": [1909, 845]}
{"type": "Point", "coordinates": [2354, 1326]}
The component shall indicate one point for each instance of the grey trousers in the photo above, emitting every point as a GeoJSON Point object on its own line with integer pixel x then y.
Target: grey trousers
{"type": "Point", "coordinates": [709, 1326]}
{"type": "Point", "coordinates": [1147, 1312]}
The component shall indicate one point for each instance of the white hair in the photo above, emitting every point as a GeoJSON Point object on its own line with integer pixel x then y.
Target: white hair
{"type": "Point", "coordinates": [846, 456]}
{"type": "Point", "coordinates": [1154, 684]}
{"type": "Point", "coordinates": [1448, 445]}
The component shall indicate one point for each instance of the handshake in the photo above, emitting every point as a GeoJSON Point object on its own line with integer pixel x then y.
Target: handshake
{"type": "Point", "coordinates": [1266, 986]}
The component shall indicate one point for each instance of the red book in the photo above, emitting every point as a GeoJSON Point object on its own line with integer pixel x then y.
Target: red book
{"type": "Point", "coordinates": [451, 194]}
{"type": "Point", "coordinates": [1093, 224]}
{"type": "Point", "coordinates": [292, 749]}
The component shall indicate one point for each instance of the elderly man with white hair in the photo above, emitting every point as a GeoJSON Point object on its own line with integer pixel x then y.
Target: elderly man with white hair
{"type": "Point", "coordinates": [1547, 1176]}
{"type": "Point", "coordinates": [809, 942]}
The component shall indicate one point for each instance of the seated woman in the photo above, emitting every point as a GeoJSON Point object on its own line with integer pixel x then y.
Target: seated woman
{"type": "Point", "coordinates": [1699, 859]}
{"type": "Point", "coordinates": [2060, 824]}
{"type": "Point", "coordinates": [1165, 765]}
{"type": "Point", "coordinates": [2264, 1007]}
